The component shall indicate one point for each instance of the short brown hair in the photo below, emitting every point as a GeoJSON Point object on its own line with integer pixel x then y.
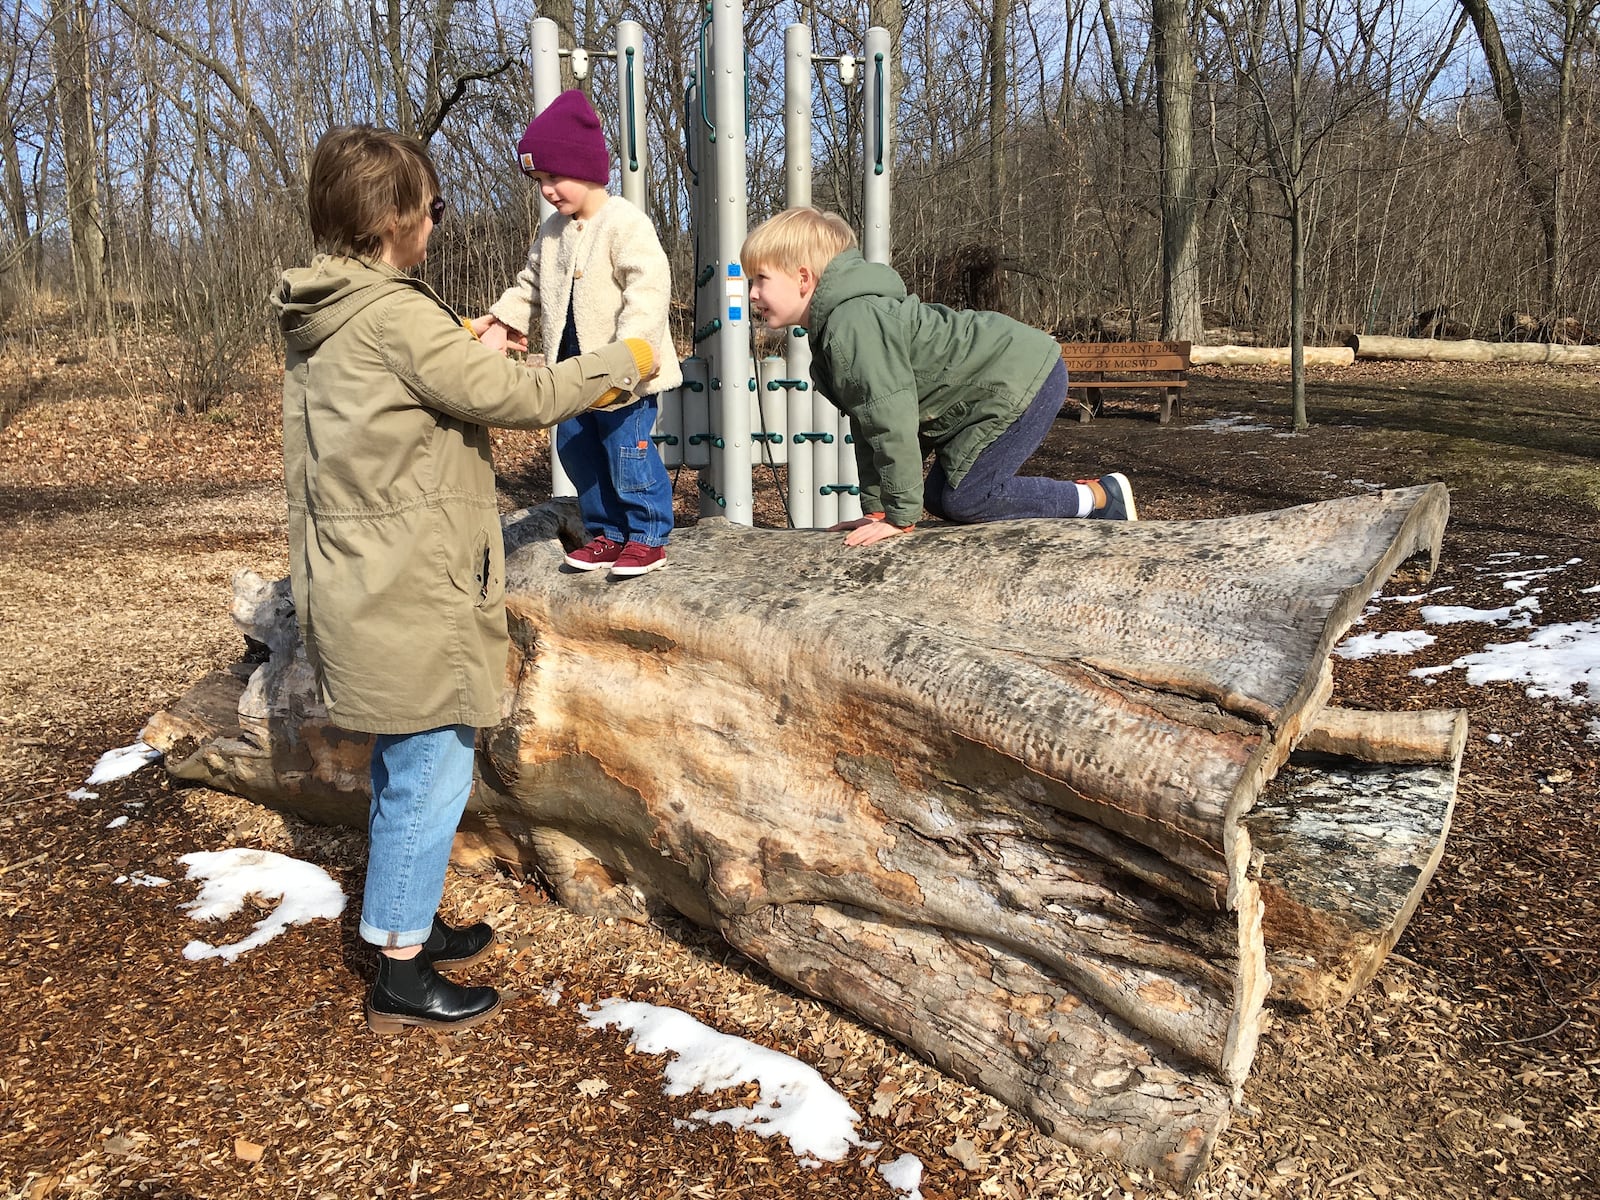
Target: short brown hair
{"type": "Point", "coordinates": [362, 178]}
{"type": "Point", "coordinates": [795, 238]}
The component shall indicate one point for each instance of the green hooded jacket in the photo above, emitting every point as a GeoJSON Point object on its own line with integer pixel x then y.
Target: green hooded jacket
{"type": "Point", "coordinates": [915, 377]}
{"type": "Point", "coordinates": [395, 551]}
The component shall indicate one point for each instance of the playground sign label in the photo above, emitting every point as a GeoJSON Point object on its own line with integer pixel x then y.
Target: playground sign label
{"type": "Point", "coordinates": [734, 287]}
{"type": "Point", "coordinates": [1128, 363]}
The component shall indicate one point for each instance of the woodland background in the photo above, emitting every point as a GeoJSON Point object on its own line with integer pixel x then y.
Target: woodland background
{"type": "Point", "coordinates": [1060, 160]}
{"type": "Point", "coordinates": [1095, 167]}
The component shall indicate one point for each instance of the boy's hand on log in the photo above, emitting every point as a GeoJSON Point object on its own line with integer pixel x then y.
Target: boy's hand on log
{"type": "Point", "coordinates": [864, 531]}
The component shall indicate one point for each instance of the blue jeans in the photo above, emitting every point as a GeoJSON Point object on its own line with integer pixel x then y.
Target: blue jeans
{"type": "Point", "coordinates": [623, 487]}
{"type": "Point", "coordinates": [991, 490]}
{"type": "Point", "coordinates": [420, 785]}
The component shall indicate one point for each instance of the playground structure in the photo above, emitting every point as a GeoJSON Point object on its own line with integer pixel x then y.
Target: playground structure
{"type": "Point", "coordinates": [733, 415]}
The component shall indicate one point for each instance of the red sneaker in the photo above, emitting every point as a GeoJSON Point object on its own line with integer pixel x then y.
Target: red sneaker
{"type": "Point", "coordinates": [638, 559]}
{"type": "Point", "coordinates": [598, 553]}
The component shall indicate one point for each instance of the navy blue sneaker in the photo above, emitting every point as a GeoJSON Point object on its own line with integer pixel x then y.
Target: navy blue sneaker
{"type": "Point", "coordinates": [1119, 505]}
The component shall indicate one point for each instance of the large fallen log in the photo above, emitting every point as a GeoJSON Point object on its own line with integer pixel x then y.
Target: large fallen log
{"type": "Point", "coordinates": [1269, 356]}
{"type": "Point", "coordinates": [988, 787]}
{"type": "Point", "coordinates": [1367, 345]}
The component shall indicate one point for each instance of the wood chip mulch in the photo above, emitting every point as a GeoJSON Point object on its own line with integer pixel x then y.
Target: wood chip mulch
{"type": "Point", "coordinates": [1469, 1068]}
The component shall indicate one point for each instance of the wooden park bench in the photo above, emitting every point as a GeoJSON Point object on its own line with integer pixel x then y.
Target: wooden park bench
{"type": "Point", "coordinates": [1095, 366]}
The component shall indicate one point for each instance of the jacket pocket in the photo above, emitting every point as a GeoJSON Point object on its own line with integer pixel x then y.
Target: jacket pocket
{"type": "Point", "coordinates": [477, 568]}
{"type": "Point", "coordinates": [633, 468]}
{"type": "Point", "coordinates": [956, 413]}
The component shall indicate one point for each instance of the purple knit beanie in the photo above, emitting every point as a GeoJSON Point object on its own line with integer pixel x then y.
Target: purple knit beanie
{"type": "Point", "coordinates": [565, 139]}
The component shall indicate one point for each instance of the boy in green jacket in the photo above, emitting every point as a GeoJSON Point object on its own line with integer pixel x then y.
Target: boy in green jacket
{"type": "Point", "coordinates": [978, 388]}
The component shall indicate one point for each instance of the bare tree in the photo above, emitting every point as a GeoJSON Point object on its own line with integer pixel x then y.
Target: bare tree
{"type": "Point", "coordinates": [996, 53]}
{"type": "Point", "coordinates": [1180, 251]}
{"type": "Point", "coordinates": [1305, 78]}
{"type": "Point", "coordinates": [69, 47]}
{"type": "Point", "coordinates": [22, 79]}
{"type": "Point", "coordinates": [1564, 29]}
{"type": "Point", "coordinates": [1340, 166]}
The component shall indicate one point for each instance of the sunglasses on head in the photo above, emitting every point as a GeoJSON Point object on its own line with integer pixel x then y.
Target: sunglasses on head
{"type": "Point", "coordinates": [436, 209]}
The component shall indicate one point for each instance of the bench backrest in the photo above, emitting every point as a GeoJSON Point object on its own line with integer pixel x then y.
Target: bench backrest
{"type": "Point", "coordinates": [1125, 356]}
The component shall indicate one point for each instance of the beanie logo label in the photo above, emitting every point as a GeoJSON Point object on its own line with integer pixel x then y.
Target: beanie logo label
{"type": "Point", "coordinates": [527, 163]}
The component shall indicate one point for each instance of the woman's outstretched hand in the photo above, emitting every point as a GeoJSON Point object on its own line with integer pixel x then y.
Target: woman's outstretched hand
{"type": "Point", "coordinates": [496, 335]}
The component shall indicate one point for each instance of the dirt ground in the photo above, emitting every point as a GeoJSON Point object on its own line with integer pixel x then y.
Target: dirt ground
{"type": "Point", "coordinates": [1469, 1068]}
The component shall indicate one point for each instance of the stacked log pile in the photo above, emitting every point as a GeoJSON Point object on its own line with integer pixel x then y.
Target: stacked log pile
{"type": "Point", "coordinates": [1020, 795]}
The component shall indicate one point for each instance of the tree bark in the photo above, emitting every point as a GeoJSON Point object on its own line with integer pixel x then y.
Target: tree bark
{"type": "Point", "coordinates": [1539, 179]}
{"type": "Point", "coordinates": [988, 787]}
{"type": "Point", "coordinates": [25, 255]}
{"type": "Point", "coordinates": [999, 39]}
{"type": "Point", "coordinates": [69, 48]}
{"type": "Point", "coordinates": [1180, 249]}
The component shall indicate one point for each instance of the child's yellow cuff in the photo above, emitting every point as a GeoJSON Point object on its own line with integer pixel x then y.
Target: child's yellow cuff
{"type": "Point", "coordinates": [466, 323]}
{"type": "Point", "coordinates": [644, 362]}
{"type": "Point", "coordinates": [644, 358]}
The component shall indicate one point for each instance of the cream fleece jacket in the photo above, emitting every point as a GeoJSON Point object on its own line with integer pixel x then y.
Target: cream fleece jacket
{"type": "Point", "coordinates": [615, 272]}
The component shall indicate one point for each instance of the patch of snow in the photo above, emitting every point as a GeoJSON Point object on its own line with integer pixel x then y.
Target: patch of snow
{"type": "Point", "coordinates": [1514, 616]}
{"type": "Point", "coordinates": [1559, 662]}
{"type": "Point", "coordinates": [1231, 423]}
{"type": "Point", "coordinates": [121, 762]}
{"type": "Point", "coordinates": [904, 1175]}
{"type": "Point", "coordinates": [140, 879]}
{"type": "Point", "coordinates": [1371, 645]}
{"type": "Point", "coordinates": [796, 1102]}
{"type": "Point", "coordinates": [307, 893]}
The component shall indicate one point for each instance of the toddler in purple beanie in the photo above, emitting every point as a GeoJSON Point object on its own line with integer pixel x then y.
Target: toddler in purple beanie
{"type": "Point", "coordinates": [596, 273]}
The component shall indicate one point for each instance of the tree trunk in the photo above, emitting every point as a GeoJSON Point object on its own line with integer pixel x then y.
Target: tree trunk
{"type": "Point", "coordinates": [69, 48]}
{"type": "Point", "coordinates": [987, 787]}
{"type": "Point", "coordinates": [1538, 178]}
{"type": "Point", "coordinates": [1295, 190]}
{"type": "Point", "coordinates": [999, 22]}
{"type": "Point", "coordinates": [1297, 312]}
{"type": "Point", "coordinates": [25, 259]}
{"type": "Point", "coordinates": [1180, 249]}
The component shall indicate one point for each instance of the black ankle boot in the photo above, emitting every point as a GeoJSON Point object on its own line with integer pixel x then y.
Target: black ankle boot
{"type": "Point", "coordinates": [410, 992]}
{"type": "Point", "coordinates": [448, 946]}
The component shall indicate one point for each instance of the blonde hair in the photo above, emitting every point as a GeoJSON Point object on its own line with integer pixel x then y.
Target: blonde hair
{"type": "Point", "coordinates": [795, 238]}
{"type": "Point", "coordinates": [362, 178]}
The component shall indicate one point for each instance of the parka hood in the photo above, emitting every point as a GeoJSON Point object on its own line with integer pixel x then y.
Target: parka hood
{"type": "Point", "coordinates": [314, 302]}
{"type": "Point", "coordinates": [847, 276]}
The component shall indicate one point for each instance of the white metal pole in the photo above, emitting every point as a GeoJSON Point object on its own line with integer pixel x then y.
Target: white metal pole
{"type": "Point", "coordinates": [769, 433]}
{"type": "Point", "coordinates": [877, 158]}
{"type": "Point", "coordinates": [797, 79]}
{"type": "Point", "coordinates": [695, 407]}
{"type": "Point", "coordinates": [731, 477]}
{"type": "Point", "coordinates": [699, 366]}
{"type": "Point", "coordinates": [631, 141]}
{"type": "Point", "coordinates": [544, 63]}
{"type": "Point", "coordinates": [876, 170]}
